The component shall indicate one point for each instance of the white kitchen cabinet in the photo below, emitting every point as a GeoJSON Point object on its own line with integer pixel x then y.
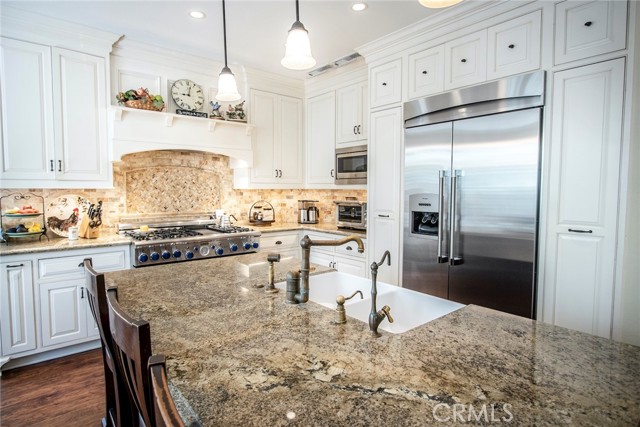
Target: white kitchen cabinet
{"type": "Point", "coordinates": [277, 148]}
{"type": "Point", "coordinates": [465, 60]}
{"type": "Point", "coordinates": [352, 113]}
{"type": "Point", "coordinates": [583, 203]}
{"type": "Point", "coordinates": [28, 151]}
{"type": "Point", "coordinates": [514, 46]}
{"type": "Point", "coordinates": [426, 72]}
{"type": "Point", "coordinates": [54, 130]}
{"type": "Point", "coordinates": [285, 243]}
{"type": "Point", "coordinates": [17, 307]}
{"type": "Point", "coordinates": [386, 83]}
{"type": "Point", "coordinates": [63, 312]}
{"type": "Point", "coordinates": [344, 258]}
{"type": "Point", "coordinates": [320, 140]}
{"type": "Point", "coordinates": [588, 28]}
{"type": "Point", "coordinates": [385, 157]}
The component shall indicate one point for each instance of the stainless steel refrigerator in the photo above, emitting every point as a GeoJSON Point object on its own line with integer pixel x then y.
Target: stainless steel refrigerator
{"type": "Point", "coordinates": [471, 186]}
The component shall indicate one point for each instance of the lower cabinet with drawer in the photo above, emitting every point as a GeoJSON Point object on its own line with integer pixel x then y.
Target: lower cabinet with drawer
{"type": "Point", "coordinates": [285, 243]}
{"type": "Point", "coordinates": [44, 311]}
{"type": "Point", "coordinates": [345, 258]}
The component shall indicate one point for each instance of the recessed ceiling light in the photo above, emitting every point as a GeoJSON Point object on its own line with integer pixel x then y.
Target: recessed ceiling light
{"type": "Point", "coordinates": [358, 7]}
{"type": "Point", "coordinates": [197, 14]}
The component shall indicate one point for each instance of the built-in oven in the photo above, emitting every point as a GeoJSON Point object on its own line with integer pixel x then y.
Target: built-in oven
{"type": "Point", "coordinates": [351, 165]}
{"type": "Point", "coordinates": [351, 214]}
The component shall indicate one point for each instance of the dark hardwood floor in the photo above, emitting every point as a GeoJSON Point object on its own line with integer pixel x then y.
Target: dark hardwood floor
{"type": "Point", "coordinates": [64, 392]}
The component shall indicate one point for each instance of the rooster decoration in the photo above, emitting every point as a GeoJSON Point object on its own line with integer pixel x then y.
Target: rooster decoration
{"type": "Point", "coordinates": [56, 223]}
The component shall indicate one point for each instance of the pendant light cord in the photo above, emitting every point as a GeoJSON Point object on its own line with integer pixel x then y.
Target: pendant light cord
{"type": "Point", "coordinates": [224, 31]}
{"type": "Point", "coordinates": [297, 11]}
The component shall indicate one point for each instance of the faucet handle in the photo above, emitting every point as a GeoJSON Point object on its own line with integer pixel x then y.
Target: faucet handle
{"type": "Point", "coordinates": [386, 309]}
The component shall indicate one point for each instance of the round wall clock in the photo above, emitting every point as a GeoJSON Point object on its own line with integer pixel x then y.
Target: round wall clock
{"type": "Point", "coordinates": [187, 95]}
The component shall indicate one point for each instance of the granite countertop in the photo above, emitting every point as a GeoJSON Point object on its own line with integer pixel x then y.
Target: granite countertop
{"type": "Point", "coordinates": [55, 243]}
{"type": "Point", "coordinates": [239, 356]}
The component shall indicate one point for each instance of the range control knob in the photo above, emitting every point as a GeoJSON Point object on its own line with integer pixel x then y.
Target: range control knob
{"type": "Point", "coordinates": [233, 247]}
{"type": "Point", "coordinates": [219, 251]}
{"type": "Point", "coordinates": [143, 257]}
{"type": "Point", "coordinates": [166, 255]}
{"type": "Point", "coordinates": [155, 256]}
{"type": "Point", "coordinates": [177, 254]}
{"type": "Point", "coordinates": [246, 246]}
{"type": "Point", "coordinates": [256, 245]}
{"type": "Point", "coordinates": [204, 250]}
{"type": "Point", "coordinates": [189, 254]}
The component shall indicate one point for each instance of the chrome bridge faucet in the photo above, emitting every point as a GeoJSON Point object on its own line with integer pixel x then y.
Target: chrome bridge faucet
{"type": "Point", "coordinates": [376, 317]}
{"type": "Point", "coordinates": [298, 281]}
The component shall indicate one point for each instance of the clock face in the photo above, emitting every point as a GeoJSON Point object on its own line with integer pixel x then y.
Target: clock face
{"type": "Point", "coordinates": [187, 95]}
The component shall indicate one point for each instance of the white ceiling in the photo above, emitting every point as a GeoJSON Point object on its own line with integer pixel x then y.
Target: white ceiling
{"type": "Point", "coordinates": [256, 29]}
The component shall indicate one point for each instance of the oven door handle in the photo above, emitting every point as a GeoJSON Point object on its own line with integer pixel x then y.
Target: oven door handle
{"type": "Point", "coordinates": [442, 258]}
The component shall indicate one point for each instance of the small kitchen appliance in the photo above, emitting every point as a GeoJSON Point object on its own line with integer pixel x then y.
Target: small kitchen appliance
{"type": "Point", "coordinates": [351, 165]}
{"type": "Point", "coordinates": [351, 214]}
{"type": "Point", "coordinates": [307, 212]}
{"type": "Point", "coordinates": [164, 241]}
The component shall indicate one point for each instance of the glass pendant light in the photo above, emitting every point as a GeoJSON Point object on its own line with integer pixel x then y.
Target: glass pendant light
{"type": "Point", "coordinates": [227, 88]}
{"type": "Point", "coordinates": [297, 55]}
{"type": "Point", "coordinates": [437, 4]}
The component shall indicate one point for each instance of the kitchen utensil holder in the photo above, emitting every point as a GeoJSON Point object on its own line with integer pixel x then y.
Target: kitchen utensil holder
{"type": "Point", "coordinates": [256, 213]}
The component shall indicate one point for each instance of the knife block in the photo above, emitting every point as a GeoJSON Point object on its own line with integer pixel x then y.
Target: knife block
{"type": "Point", "coordinates": [92, 233]}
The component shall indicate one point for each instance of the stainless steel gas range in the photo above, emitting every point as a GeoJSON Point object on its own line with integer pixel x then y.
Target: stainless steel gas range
{"type": "Point", "coordinates": [162, 242]}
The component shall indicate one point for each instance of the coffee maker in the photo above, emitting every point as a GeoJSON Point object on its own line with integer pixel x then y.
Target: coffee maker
{"type": "Point", "coordinates": [307, 212]}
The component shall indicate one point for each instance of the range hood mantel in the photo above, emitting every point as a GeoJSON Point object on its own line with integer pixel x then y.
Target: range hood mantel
{"type": "Point", "coordinates": [135, 130]}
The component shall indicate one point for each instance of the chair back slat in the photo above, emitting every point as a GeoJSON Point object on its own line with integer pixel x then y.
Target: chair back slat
{"type": "Point", "coordinates": [132, 349]}
{"type": "Point", "coordinates": [164, 408]}
{"type": "Point", "coordinates": [118, 407]}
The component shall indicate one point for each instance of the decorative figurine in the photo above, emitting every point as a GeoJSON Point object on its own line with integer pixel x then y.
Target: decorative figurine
{"type": "Point", "coordinates": [215, 111]}
{"type": "Point", "coordinates": [236, 112]}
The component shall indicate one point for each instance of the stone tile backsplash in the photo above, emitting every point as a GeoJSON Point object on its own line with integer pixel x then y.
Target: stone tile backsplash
{"type": "Point", "coordinates": [187, 182]}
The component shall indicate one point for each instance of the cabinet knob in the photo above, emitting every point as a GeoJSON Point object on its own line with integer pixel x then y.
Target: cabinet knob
{"type": "Point", "coordinates": [349, 248]}
{"type": "Point", "coordinates": [463, 60]}
{"type": "Point", "coordinates": [511, 46]}
{"type": "Point", "coordinates": [424, 72]}
{"type": "Point", "coordinates": [384, 83]}
{"type": "Point", "coordinates": [588, 24]}
{"type": "Point", "coordinates": [278, 242]}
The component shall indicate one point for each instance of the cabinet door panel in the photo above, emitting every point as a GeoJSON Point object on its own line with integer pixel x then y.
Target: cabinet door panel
{"type": "Point", "coordinates": [465, 60]}
{"type": "Point", "coordinates": [290, 152]}
{"type": "Point", "coordinates": [385, 148]}
{"type": "Point", "coordinates": [386, 83]}
{"type": "Point", "coordinates": [583, 202]}
{"type": "Point", "coordinates": [351, 266]}
{"type": "Point", "coordinates": [426, 72]}
{"type": "Point", "coordinates": [27, 111]}
{"type": "Point", "coordinates": [80, 112]}
{"type": "Point", "coordinates": [384, 235]}
{"type": "Point", "coordinates": [62, 313]}
{"type": "Point", "coordinates": [321, 134]}
{"type": "Point", "coordinates": [17, 314]}
{"type": "Point", "coordinates": [347, 114]}
{"type": "Point", "coordinates": [263, 113]}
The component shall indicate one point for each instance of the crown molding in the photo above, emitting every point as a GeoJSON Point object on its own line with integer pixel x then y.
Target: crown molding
{"type": "Point", "coordinates": [36, 28]}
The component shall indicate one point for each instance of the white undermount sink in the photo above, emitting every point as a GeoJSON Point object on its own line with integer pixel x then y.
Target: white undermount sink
{"type": "Point", "coordinates": [409, 309]}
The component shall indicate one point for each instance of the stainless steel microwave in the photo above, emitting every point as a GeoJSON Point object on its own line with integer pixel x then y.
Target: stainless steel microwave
{"type": "Point", "coordinates": [351, 165]}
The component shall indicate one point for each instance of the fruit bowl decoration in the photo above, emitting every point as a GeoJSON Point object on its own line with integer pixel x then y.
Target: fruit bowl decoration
{"type": "Point", "coordinates": [141, 99]}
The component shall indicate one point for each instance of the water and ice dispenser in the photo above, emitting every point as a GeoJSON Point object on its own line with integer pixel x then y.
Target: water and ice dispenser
{"type": "Point", "coordinates": [423, 209]}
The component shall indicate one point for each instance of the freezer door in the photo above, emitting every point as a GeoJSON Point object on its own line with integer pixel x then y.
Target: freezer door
{"type": "Point", "coordinates": [495, 162]}
{"type": "Point", "coordinates": [426, 188]}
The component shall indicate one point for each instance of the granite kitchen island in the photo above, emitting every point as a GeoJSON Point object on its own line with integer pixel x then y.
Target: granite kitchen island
{"type": "Point", "coordinates": [239, 356]}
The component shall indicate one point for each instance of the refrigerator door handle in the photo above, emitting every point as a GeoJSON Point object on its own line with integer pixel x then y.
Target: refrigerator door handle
{"type": "Point", "coordinates": [441, 200]}
{"type": "Point", "coordinates": [453, 259]}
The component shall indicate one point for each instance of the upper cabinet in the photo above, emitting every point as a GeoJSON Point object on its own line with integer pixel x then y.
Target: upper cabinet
{"type": "Point", "coordinates": [277, 147]}
{"type": "Point", "coordinates": [352, 107]}
{"type": "Point", "coordinates": [386, 83]}
{"type": "Point", "coordinates": [585, 29]}
{"type": "Point", "coordinates": [514, 46]}
{"type": "Point", "coordinates": [426, 72]}
{"type": "Point", "coordinates": [320, 140]}
{"type": "Point", "coordinates": [465, 60]}
{"type": "Point", "coordinates": [54, 132]}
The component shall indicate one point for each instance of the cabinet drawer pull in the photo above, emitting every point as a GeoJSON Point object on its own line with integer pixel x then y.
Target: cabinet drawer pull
{"type": "Point", "coordinates": [384, 83]}
{"type": "Point", "coordinates": [59, 165]}
{"type": "Point", "coordinates": [511, 46]}
{"type": "Point", "coordinates": [349, 248]}
{"type": "Point", "coordinates": [588, 24]}
{"type": "Point", "coordinates": [332, 170]}
{"type": "Point", "coordinates": [51, 165]}
{"type": "Point", "coordinates": [15, 266]}
{"type": "Point", "coordinates": [280, 176]}
{"type": "Point", "coordinates": [359, 126]}
{"type": "Point", "coordinates": [580, 231]}
{"type": "Point", "coordinates": [82, 292]}
{"type": "Point", "coordinates": [425, 72]}
{"type": "Point", "coordinates": [383, 216]}
{"type": "Point", "coordinates": [354, 130]}
{"type": "Point", "coordinates": [278, 242]}
{"type": "Point", "coordinates": [463, 60]}
{"type": "Point", "coordinates": [276, 173]}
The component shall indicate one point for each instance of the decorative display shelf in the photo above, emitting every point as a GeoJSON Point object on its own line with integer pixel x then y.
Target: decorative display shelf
{"type": "Point", "coordinates": [134, 130]}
